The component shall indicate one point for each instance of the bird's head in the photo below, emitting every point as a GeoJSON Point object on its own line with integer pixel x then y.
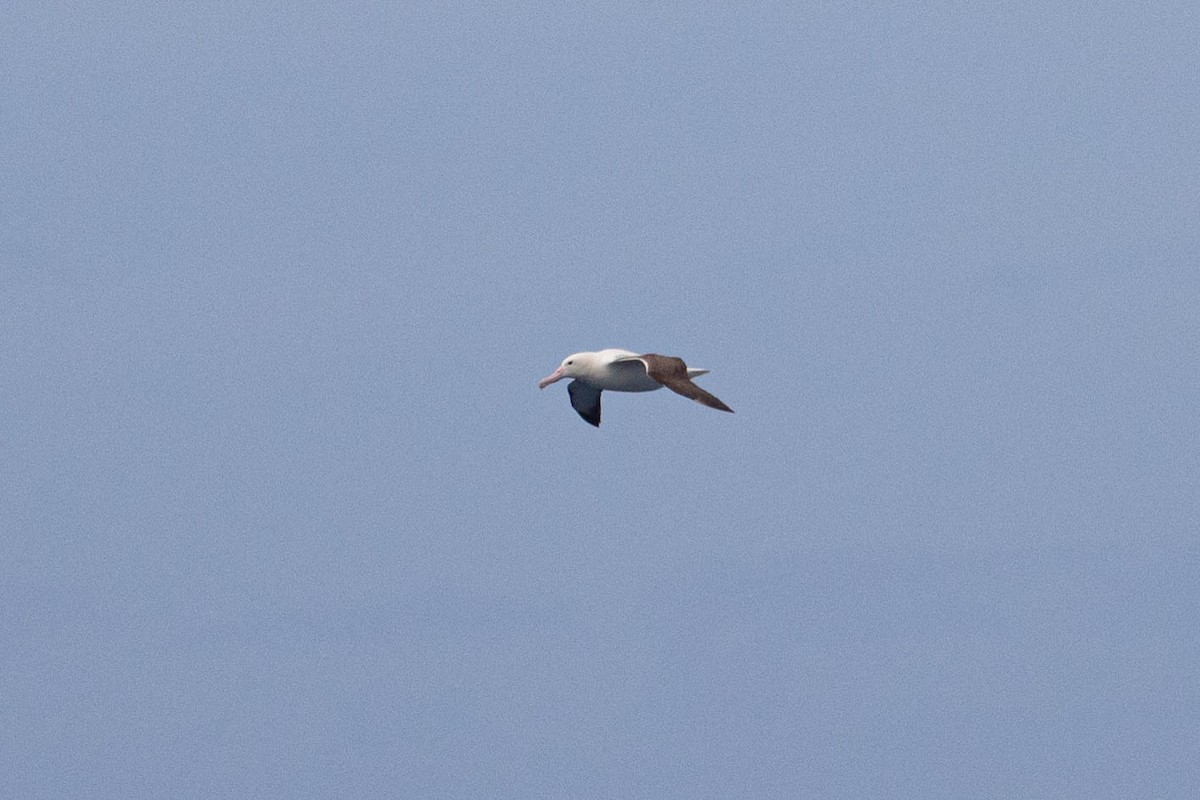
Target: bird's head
{"type": "Point", "coordinates": [573, 366]}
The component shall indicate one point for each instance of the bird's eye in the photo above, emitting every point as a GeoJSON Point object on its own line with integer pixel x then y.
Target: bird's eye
{"type": "Point", "coordinates": [569, 363]}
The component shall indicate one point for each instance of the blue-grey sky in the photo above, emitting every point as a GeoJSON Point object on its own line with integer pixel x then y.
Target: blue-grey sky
{"type": "Point", "coordinates": [285, 515]}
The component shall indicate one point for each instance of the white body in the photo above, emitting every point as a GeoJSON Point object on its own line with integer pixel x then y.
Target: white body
{"type": "Point", "coordinates": [614, 370]}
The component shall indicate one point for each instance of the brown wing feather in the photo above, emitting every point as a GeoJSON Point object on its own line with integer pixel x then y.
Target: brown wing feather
{"type": "Point", "coordinates": [671, 372]}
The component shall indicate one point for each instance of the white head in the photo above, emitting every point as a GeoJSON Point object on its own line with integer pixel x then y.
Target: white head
{"type": "Point", "coordinates": [573, 366]}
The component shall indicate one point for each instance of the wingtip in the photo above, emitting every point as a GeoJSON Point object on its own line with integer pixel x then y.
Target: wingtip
{"type": "Point", "coordinates": [713, 401]}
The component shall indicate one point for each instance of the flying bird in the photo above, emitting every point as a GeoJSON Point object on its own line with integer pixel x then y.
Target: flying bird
{"type": "Point", "coordinates": [625, 371]}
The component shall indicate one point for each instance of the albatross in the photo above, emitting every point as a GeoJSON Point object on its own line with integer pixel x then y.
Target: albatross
{"type": "Point", "coordinates": [625, 371]}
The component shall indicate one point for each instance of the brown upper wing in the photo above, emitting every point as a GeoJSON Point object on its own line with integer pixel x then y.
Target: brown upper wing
{"type": "Point", "coordinates": [671, 372]}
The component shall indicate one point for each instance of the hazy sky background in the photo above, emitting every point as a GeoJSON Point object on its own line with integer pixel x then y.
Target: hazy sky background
{"type": "Point", "coordinates": [285, 515]}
